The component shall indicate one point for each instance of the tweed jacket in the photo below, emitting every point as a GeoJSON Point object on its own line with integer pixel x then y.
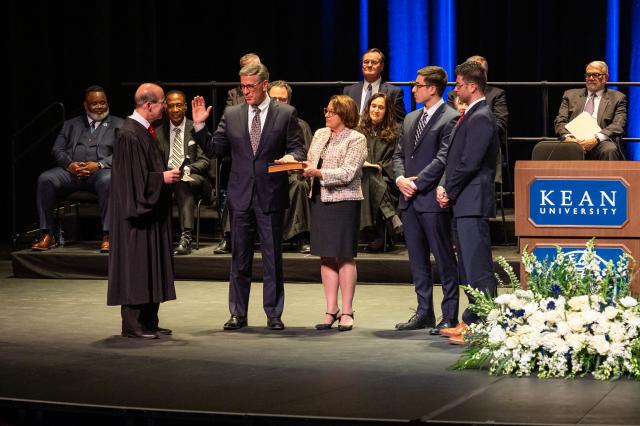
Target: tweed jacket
{"type": "Point", "coordinates": [341, 164]}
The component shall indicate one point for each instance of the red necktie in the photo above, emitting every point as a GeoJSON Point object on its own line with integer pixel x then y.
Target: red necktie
{"type": "Point", "coordinates": [153, 132]}
{"type": "Point", "coordinates": [461, 118]}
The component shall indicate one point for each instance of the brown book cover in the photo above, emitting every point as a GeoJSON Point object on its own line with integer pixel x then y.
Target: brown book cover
{"type": "Point", "coordinates": [285, 167]}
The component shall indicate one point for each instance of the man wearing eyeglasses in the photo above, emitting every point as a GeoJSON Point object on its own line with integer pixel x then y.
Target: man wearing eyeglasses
{"type": "Point", "coordinates": [255, 133]}
{"type": "Point", "coordinates": [468, 187]}
{"type": "Point", "coordinates": [607, 106]}
{"type": "Point", "coordinates": [372, 67]}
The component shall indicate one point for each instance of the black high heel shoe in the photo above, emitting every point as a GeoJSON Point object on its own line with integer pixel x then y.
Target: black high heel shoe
{"type": "Point", "coordinates": [325, 326]}
{"type": "Point", "coordinates": [346, 327]}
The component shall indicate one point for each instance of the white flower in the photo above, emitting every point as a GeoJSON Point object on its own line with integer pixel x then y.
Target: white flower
{"type": "Point", "coordinates": [516, 304]}
{"type": "Point", "coordinates": [578, 303]}
{"type": "Point", "coordinates": [599, 344]}
{"type": "Point", "coordinates": [493, 316]}
{"type": "Point", "coordinates": [512, 342]}
{"type": "Point", "coordinates": [530, 308]}
{"type": "Point", "coordinates": [575, 340]}
{"type": "Point", "coordinates": [524, 294]}
{"type": "Point", "coordinates": [504, 299]}
{"type": "Point", "coordinates": [628, 302]}
{"type": "Point", "coordinates": [575, 322]}
{"type": "Point", "coordinates": [497, 335]}
{"type": "Point", "coordinates": [610, 312]}
{"type": "Point", "coordinates": [562, 328]}
{"type": "Point", "coordinates": [617, 332]}
{"type": "Point", "coordinates": [590, 316]}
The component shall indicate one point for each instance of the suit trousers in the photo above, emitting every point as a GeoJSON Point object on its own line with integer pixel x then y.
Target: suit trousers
{"type": "Point", "coordinates": [142, 317]}
{"type": "Point", "coordinates": [604, 150]}
{"type": "Point", "coordinates": [245, 224]}
{"type": "Point", "coordinates": [58, 183]}
{"type": "Point", "coordinates": [427, 233]}
{"type": "Point", "coordinates": [185, 194]}
{"type": "Point", "coordinates": [475, 260]}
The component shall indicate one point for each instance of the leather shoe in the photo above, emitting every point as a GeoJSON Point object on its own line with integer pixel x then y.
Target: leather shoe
{"type": "Point", "coordinates": [160, 330]}
{"type": "Point", "coordinates": [235, 322]}
{"type": "Point", "coordinates": [104, 245]}
{"type": "Point", "coordinates": [445, 323]}
{"type": "Point", "coordinates": [275, 324]}
{"type": "Point", "coordinates": [305, 247]}
{"type": "Point", "coordinates": [458, 330]}
{"type": "Point", "coordinates": [45, 242]}
{"type": "Point", "coordinates": [223, 247]}
{"type": "Point", "coordinates": [461, 339]}
{"type": "Point", "coordinates": [184, 247]}
{"type": "Point", "coordinates": [416, 322]}
{"type": "Point", "coordinates": [139, 334]}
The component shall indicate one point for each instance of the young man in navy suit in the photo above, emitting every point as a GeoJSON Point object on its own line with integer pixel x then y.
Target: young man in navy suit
{"type": "Point", "coordinates": [419, 163]}
{"type": "Point", "coordinates": [468, 187]}
{"type": "Point", "coordinates": [255, 133]}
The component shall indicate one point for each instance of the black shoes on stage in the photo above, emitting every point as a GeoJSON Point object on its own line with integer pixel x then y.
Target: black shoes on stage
{"type": "Point", "coordinates": [417, 322]}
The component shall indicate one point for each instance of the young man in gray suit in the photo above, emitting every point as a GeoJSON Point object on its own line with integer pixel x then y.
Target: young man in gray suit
{"type": "Point", "coordinates": [255, 133]}
{"type": "Point", "coordinates": [418, 164]}
{"type": "Point", "coordinates": [607, 106]}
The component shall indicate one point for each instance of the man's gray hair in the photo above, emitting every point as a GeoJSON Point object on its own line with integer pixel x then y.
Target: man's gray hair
{"type": "Point", "coordinates": [599, 64]}
{"type": "Point", "coordinates": [255, 69]}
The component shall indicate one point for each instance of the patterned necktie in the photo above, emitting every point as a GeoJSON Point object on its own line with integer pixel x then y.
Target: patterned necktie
{"type": "Point", "coordinates": [175, 159]}
{"type": "Point", "coordinates": [421, 125]}
{"type": "Point", "coordinates": [255, 129]}
{"type": "Point", "coordinates": [92, 126]}
{"type": "Point", "coordinates": [367, 96]}
{"type": "Point", "coordinates": [590, 106]}
{"type": "Point", "coordinates": [153, 132]}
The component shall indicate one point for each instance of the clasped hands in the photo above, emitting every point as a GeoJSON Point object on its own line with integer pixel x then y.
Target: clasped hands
{"type": "Point", "coordinates": [586, 144]}
{"type": "Point", "coordinates": [83, 169]}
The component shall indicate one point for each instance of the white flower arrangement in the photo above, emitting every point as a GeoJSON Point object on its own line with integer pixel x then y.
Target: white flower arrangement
{"type": "Point", "coordinates": [567, 323]}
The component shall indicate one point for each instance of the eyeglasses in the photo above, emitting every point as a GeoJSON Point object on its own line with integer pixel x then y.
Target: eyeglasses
{"type": "Point", "coordinates": [370, 62]}
{"type": "Point", "coordinates": [283, 100]}
{"type": "Point", "coordinates": [593, 75]}
{"type": "Point", "coordinates": [462, 84]}
{"type": "Point", "coordinates": [329, 112]}
{"type": "Point", "coordinates": [250, 87]}
{"type": "Point", "coordinates": [418, 85]}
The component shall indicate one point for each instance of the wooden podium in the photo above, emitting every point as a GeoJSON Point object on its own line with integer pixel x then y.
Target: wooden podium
{"type": "Point", "coordinates": [566, 203]}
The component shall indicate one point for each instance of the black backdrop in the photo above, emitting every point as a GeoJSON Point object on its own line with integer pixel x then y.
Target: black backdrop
{"type": "Point", "coordinates": [56, 49]}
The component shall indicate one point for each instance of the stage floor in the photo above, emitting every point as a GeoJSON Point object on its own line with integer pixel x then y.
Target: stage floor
{"type": "Point", "coordinates": [60, 342]}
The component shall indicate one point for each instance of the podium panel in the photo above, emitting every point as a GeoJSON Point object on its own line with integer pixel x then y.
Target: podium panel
{"type": "Point", "coordinates": [577, 199]}
{"type": "Point", "coordinates": [605, 249]}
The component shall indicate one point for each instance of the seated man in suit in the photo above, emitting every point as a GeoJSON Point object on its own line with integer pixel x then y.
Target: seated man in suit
{"type": "Point", "coordinates": [372, 67]}
{"type": "Point", "coordinates": [82, 152]}
{"type": "Point", "coordinates": [497, 102]}
{"type": "Point", "coordinates": [607, 106]}
{"type": "Point", "coordinates": [296, 217]}
{"type": "Point", "coordinates": [179, 149]}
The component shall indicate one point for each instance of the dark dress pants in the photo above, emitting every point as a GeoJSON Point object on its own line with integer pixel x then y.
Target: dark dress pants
{"type": "Point", "coordinates": [185, 194]}
{"type": "Point", "coordinates": [58, 183]}
{"type": "Point", "coordinates": [244, 227]}
{"type": "Point", "coordinates": [142, 317]}
{"type": "Point", "coordinates": [427, 233]}
{"type": "Point", "coordinates": [474, 259]}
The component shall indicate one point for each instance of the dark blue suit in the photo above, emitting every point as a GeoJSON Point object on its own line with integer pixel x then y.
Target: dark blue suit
{"type": "Point", "coordinates": [256, 199]}
{"type": "Point", "coordinates": [395, 94]}
{"type": "Point", "coordinates": [427, 226]}
{"type": "Point", "coordinates": [76, 143]}
{"type": "Point", "coordinates": [469, 182]}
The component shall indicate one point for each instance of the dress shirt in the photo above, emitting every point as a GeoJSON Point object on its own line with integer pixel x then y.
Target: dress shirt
{"type": "Point", "coordinates": [264, 108]}
{"type": "Point", "coordinates": [374, 89]}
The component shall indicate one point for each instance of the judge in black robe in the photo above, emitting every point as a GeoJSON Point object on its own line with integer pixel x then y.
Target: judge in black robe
{"type": "Point", "coordinates": [141, 259]}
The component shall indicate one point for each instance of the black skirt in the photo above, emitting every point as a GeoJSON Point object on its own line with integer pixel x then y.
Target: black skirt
{"type": "Point", "coordinates": [334, 227]}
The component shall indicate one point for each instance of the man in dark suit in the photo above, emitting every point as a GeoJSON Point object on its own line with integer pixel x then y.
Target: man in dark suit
{"type": "Point", "coordinates": [255, 133]}
{"type": "Point", "coordinates": [82, 152]}
{"type": "Point", "coordinates": [181, 151]}
{"type": "Point", "coordinates": [468, 186]}
{"type": "Point", "coordinates": [372, 67]}
{"type": "Point", "coordinates": [607, 106]}
{"type": "Point", "coordinates": [418, 163]}
{"type": "Point", "coordinates": [496, 99]}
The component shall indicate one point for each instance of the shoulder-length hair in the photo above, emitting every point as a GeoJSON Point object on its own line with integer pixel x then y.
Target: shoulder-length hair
{"type": "Point", "coordinates": [388, 130]}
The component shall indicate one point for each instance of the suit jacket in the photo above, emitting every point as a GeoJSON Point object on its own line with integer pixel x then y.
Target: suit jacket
{"type": "Point", "coordinates": [196, 160]}
{"type": "Point", "coordinates": [104, 137]}
{"type": "Point", "coordinates": [396, 96]}
{"type": "Point", "coordinates": [471, 163]}
{"type": "Point", "coordinates": [427, 159]}
{"type": "Point", "coordinates": [612, 112]}
{"type": "Point", "coordinates": [497, 101]}
{"type": "Point", "coordinates": [341, 164]}
{"type": "Point", "coordinates": [280, 135]}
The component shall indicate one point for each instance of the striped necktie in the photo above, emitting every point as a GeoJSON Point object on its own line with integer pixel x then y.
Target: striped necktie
{"type": "Point", "coordinates": [421, 125]}
{"type": "Point", "coordinates": [177, 150]}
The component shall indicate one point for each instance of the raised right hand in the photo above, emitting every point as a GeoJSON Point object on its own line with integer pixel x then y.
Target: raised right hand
{"type": "Point", "coordinates": [199, 112]}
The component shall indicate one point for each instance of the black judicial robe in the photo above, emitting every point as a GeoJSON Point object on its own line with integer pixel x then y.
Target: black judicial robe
{"type": "Point", "coordinates": [140, 257]}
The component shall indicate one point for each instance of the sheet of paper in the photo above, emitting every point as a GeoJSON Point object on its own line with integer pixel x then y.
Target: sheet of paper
{"type": "Point", "coordinates": [187, 178]}
{"type": "Point", "coordinates": [583, 126]}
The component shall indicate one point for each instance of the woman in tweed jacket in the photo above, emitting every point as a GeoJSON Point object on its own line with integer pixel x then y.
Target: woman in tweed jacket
{"type": "Point", "coordinates": [335, 161]}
